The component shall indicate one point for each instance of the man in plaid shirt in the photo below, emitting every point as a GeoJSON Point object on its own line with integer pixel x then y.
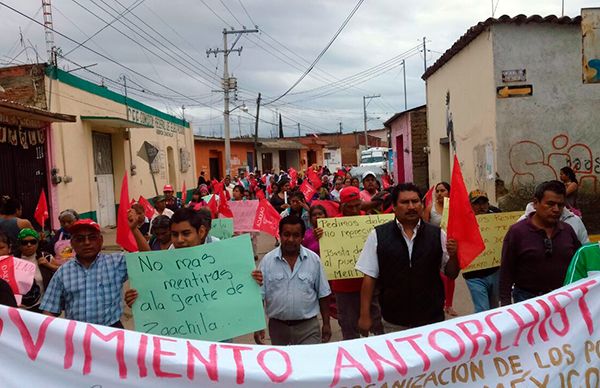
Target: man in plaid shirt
{"type": "Point", "coordinates": [88, 288]}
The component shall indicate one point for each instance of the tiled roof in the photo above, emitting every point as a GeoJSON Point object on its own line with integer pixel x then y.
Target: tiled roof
{"type": "Point", "coordinates": [477, 29]}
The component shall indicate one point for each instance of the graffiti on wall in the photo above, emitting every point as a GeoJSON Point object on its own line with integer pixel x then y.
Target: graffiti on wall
{"type": "Point", "coordinates": [532, 162]}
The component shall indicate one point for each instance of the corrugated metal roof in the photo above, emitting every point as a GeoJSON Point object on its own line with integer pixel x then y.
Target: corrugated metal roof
{"type": "Point", "coordinates": [477, 29]}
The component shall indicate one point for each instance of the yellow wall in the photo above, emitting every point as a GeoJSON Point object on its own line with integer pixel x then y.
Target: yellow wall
{"type": "Point", "coordinates": [71, 151]}
{"type": "Point", "coordinates": [468, 76]}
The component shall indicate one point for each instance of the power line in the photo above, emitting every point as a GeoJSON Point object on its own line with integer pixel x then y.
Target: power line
{"type": "Point", "coordinates": [321, 53]}
{"type": "Point", "coordinates": [103, 56]}
{"type": "Point", "coordinates": [231, 13]}
{"type": "Point", "coordinates": [216, 14]}
{"type": "Point", "coordinates": [247, 14]}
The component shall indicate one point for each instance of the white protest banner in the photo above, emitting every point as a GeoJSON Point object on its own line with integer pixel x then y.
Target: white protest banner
{"type": "Point", "coordinates": [549, 341]}
{"type": "Point", "coordinates": [18, 273]}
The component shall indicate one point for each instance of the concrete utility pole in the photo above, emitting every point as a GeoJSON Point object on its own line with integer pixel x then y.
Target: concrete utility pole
{"type": "Point", "coordinates": [404, 74]}
{"type": "Point", "coordinates": [424, 55]}
{"type": "Point", "coordinates": [228, 83]}
{"type": "Point", "coordinates": [256, 133]}
{"type": "Point", "coordinates": [299, 130]}
{"type": "Point", "coordinates": [48, 31]}
{"type": "Point", "coordinates": [365, 98]}
{"type": "Point", "coordinates": [341, 128]}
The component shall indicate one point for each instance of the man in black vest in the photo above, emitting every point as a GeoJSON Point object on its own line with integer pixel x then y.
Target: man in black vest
{"type": "Point", "coordinates": [403, 258]}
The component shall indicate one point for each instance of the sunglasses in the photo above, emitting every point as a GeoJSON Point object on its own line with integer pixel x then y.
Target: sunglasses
{"type": "Point", "coordinates": [79, 238]}
{"type": "Point", "coordinates": [548, 247]}
{"type": "Point", "coordinates": [28, 242]}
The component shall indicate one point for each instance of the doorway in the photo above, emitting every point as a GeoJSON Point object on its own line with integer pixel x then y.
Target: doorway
{"type": "Point", "coordinates": [283, 160]}
{"type": "Point", "coordinates": [400, 176]}
{"type": "Point", "coordinates": [311, 157]}
{"type": "Point", "coordinates": [267, 162]}
{"type": "Point", "coordinates": [104, 177]}
{"type": "Point", "coordinates": [445, 159]}
{"type": "Point", "coordinates": [213, 165]}
{"type": "Point", "coordinates": [171, 164]}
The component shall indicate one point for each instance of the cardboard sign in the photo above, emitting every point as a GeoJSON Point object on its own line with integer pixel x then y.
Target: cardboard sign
{"type": "Point", "coordinates": [343, 240]}
{"type": "Point", "coordinates": [205, 292]}
{"type": "Point", "coordinates": [244, 213]}
{"type": "Point", "coordinates": [493, 228]}
{"type": "Point", "coordinates": [221, 228]}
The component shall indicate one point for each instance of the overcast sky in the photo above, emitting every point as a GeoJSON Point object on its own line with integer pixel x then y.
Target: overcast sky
{"type": "Point", "coordinates": [169, 66]}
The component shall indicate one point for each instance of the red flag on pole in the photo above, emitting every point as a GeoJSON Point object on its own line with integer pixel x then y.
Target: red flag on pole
{"type": "Point", "coordinates": [385, 180]}
{"type": "Point", "coordinates": [429, 196]}
{"type": "Point", "coordinates": [462, 224]}
{"type": "Point", "coordinates": [332, 207]}
{"type": "Point", "coordinates": [267, 219]}
{"type": "Point", "coordinates": [224, 209]}
{"type": "Point", "coordinates": [308, 190]}
{"type": "Point", "coordinates": [293, 177]}
{"type": "Point", "coordinates": [124, 236]}
{"type": "Point", "coordinates": [213, 206]}
{"type": "Point", "coordinates": [314, 179]}
{"type": "Point", "coordinates": [183, 194]}
{"type": "Point", "coordinates": [148, 209]}
{"type": "Point", "coordinates": [41, 210]}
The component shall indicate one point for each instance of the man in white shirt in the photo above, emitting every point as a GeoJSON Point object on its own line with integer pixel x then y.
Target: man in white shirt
{"type": "Point", "coordinates": [403, 258]}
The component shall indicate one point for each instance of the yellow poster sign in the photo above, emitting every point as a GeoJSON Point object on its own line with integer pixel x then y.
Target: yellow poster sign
{"type": "Point", "coordinates": [343, 240]}
{"type": "Point", "coordinates": [493, 228]}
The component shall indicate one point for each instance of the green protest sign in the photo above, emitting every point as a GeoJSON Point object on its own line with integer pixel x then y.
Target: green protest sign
{"type": "Point", "coordinates": [222, 228]}
{"type": "Point", "coordinates": [205, 292]}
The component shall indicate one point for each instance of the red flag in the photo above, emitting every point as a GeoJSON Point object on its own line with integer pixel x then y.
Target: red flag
{"type": "Point", "coordinates": [462, 224]}
{"type": "Point", "coordinates": [183, 193]}
{"type": "Point", "coordinates": [267, 219]}
{"type": "Point", "coordinates": [224, 209]}
{"type": "Point", "coordinates": [308, 190]}
{"type": "Point", "coordinates": [264, 179]}
{"type": "Point", "coordinates": [41, 210]}
{"type": "Point", "coordinates": [314, 179]}
{"type": "Point", "coordinates": [429, 196]}
{"type": "Point", "coordinates": [260, 195]}
{"type": "Point", "coordinates": [217, 187]}
{"type": "Point", "coordinates": [385, 180]}
{"type": "Point", "coordinates": [293, 177]}
{"type": "Point", "coordinates": [213, 206]}
{"type": "Point", "coordinates": [332, 207]}
{"type": "Point", "coordinates": [148, 209]}
{"type": "Point", "coordinates": [124, 236]}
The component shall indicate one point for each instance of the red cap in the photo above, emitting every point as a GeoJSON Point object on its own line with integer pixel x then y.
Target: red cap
{"type": "Point", "coordinates": [84, 223]}
{"type": "Point", "coordinates": [349, 193]}
{"type": "Point", "coordinates": [168, 188]}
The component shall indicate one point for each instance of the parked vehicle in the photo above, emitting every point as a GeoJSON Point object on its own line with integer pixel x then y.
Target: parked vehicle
{"type": "Point", "coordinates": [374, 157]}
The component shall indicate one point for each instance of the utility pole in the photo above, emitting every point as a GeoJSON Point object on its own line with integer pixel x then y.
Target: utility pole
{"type": "Point", "coordinates": [299, 130]}
{"type": "Point", "coordinates": [365, 98]}
{"type": "Point", "coordinates": [424, 55]}
{"type": "Point", "coordinates": [256, 133]}
{"type": "Point", "coordinates": [404, 74]}
{"type": "Point", "coordinates": [341, 128]}
{"type": "Point", "coordinates": [48, 31]}
{"type": "Point", "coordinates": [228, 83]}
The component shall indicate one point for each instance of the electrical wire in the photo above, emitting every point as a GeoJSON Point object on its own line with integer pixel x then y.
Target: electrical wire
{"type": "Point", "coordinates": [247, 14]}
{"type": "Point", "coordinates": [338, 32]}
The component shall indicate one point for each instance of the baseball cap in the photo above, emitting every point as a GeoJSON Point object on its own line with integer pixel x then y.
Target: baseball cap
{"type": "Point", "coordinates": [476, 194]}
{"type": "Point", "coordinates": [349, 193]}
{"type": "Point", "coordinates": [367, 173]}
{"type": "Point", "coordinates": [167, 188]}
{"type": "Point", "coordinates": [85, 223]}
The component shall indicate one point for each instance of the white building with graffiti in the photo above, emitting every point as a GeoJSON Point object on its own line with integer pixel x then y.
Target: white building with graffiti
{"type": "Point", "coordinates": [85, 161]}
{"type": "Point", "coordinates": [509, 99]}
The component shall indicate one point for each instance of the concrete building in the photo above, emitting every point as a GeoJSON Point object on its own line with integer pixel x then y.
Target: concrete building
{"type": "Point", "coordinates": [508, 99]}
{"type": "Point", "coordinates": [113, 135]}
{"type": "Point", "coordinates": [280, 154]}
{"type": "Point", "coordinates": [408, 133]}
{"type": "Point", "coordinates": [210, 151]}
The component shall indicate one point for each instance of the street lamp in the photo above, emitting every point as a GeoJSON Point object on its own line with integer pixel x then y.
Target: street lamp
{"type": "Point", "coordinates": [226, 114]}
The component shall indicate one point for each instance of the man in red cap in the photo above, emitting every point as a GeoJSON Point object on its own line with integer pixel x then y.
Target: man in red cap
{"type": "Point", "coordinates": [88, 289]}
{"type": "Point", "coordinates": [171, 200]}
{"type": "Point", "coordinates": [347, 291]}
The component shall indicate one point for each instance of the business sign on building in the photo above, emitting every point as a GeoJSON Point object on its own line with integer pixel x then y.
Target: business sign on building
{"type": "Point", "coordinates": [590, 31]}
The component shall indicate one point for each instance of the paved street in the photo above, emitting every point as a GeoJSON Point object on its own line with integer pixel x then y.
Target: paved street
{"type": "Point", "coordinates": [462, 299]}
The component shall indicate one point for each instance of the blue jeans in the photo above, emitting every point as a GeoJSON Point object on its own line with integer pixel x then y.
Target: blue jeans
{"type": "Point", "coordinates": [485, 292]}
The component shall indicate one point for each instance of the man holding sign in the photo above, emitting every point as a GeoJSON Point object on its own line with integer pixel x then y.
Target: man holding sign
{"type": "Point", "coordinates": [403, 257]}
{"type": "Point", "coordinates": [295, 289]}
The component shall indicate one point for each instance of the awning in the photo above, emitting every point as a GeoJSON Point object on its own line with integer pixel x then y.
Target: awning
{"type": "Point", "coordinates": [281, 145]}
{"type": "Point", "coordinates": [30, 116]}
{"type": "Point", "coordinates": [113, 122]}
